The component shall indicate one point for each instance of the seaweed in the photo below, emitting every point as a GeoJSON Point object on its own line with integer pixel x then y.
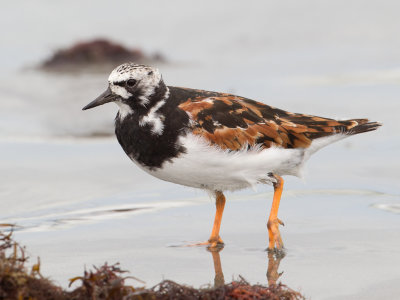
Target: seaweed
{"type": "Point", "coordinates": [105, 282]}
{"type": "Point", "coordinates": [108, 283]}
{"type": "Point", "coordinates": [96, 53]}
{"type": "Point", "coordinates": [16, 282]}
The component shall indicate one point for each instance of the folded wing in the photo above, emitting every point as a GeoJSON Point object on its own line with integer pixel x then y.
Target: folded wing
{"type": "Point", "coordinates": [233, 122]}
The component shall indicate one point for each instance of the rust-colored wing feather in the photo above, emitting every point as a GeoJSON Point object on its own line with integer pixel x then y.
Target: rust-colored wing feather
{"type": "Point", "coordinates": [233, 122]}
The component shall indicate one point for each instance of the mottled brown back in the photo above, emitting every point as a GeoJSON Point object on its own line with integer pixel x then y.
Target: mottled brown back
{"type": "Point", "coordinates": [233, 122]}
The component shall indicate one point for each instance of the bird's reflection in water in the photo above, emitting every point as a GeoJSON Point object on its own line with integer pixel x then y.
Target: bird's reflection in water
{"type": "Point", "coordinates": [274, 259]}
{"type": "Point", "coordinates": [219, 275]}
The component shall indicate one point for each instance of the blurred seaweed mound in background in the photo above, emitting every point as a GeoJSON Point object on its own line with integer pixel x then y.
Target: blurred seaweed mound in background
{"type": "Point", "coordinates": [107, 283]}
{"type": "Point", "coordinates": [96, 54]}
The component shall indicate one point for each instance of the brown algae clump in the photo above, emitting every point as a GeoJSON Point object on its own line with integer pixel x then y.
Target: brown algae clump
{"type": "Point", "coordinates": [108, 282]}
{"type": "Point", "coordinates": [95, 54]}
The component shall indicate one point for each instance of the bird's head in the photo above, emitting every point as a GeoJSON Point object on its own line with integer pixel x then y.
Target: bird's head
{"type": "Point", "coordinates": [130, 84]}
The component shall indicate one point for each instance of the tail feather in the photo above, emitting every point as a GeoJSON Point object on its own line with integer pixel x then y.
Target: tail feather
{"type": "Point", "coordinates": [364, 125]}
{"type": "Point", "coordinates": [340, 131]}
{"type": "Point", "coordinates": [329, 127]}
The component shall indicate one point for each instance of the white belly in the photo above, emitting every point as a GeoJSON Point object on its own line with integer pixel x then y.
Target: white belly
{"type": "Point", "coordinates": [209, 167]}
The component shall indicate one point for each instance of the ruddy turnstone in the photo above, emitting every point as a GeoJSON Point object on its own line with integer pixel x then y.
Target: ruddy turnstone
{"type": "Point", "coordinates": [215, 141]}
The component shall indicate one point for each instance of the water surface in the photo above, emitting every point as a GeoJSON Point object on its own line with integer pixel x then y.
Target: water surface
{"type": "Point", "coordinates": [77, 199]}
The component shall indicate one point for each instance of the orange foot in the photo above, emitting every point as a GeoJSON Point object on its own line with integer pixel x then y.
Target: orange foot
{"type": "Point", "coordinates": [275, 238]}
{"type": "Point", "coordinates": [212, 243]}
{"type": "Point", "coordinates": [215, 242]}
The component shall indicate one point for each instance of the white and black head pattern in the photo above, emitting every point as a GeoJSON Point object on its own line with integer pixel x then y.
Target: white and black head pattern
{"type": "Point", "coordinates": [133, 80]}
{"type": "Point", "coordinates": [149, 121]}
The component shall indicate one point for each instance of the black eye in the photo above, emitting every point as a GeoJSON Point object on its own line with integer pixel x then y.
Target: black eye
{"type": "Point", "coordinates": [131, 82]}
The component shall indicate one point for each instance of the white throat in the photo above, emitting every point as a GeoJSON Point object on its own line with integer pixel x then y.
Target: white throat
{"type": "Point", "coordinates": [124, 110]}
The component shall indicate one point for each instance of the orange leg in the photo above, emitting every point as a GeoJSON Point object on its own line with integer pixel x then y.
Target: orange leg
{"type": "Point", "coordinates": [215, 239]}
{"type": "Point", "coordinates": [273, 221]}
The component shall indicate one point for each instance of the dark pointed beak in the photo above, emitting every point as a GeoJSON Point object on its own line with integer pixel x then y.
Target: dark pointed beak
{"type": "Point", "coordinates": [104, 98]}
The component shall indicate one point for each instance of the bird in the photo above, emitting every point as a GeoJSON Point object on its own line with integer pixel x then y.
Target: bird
{"type": "Point", "coordinates": [215, 141]}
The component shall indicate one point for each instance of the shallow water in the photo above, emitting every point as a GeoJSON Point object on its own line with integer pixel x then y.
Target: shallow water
{"type": "Point", "coordinates": [77, 199]}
